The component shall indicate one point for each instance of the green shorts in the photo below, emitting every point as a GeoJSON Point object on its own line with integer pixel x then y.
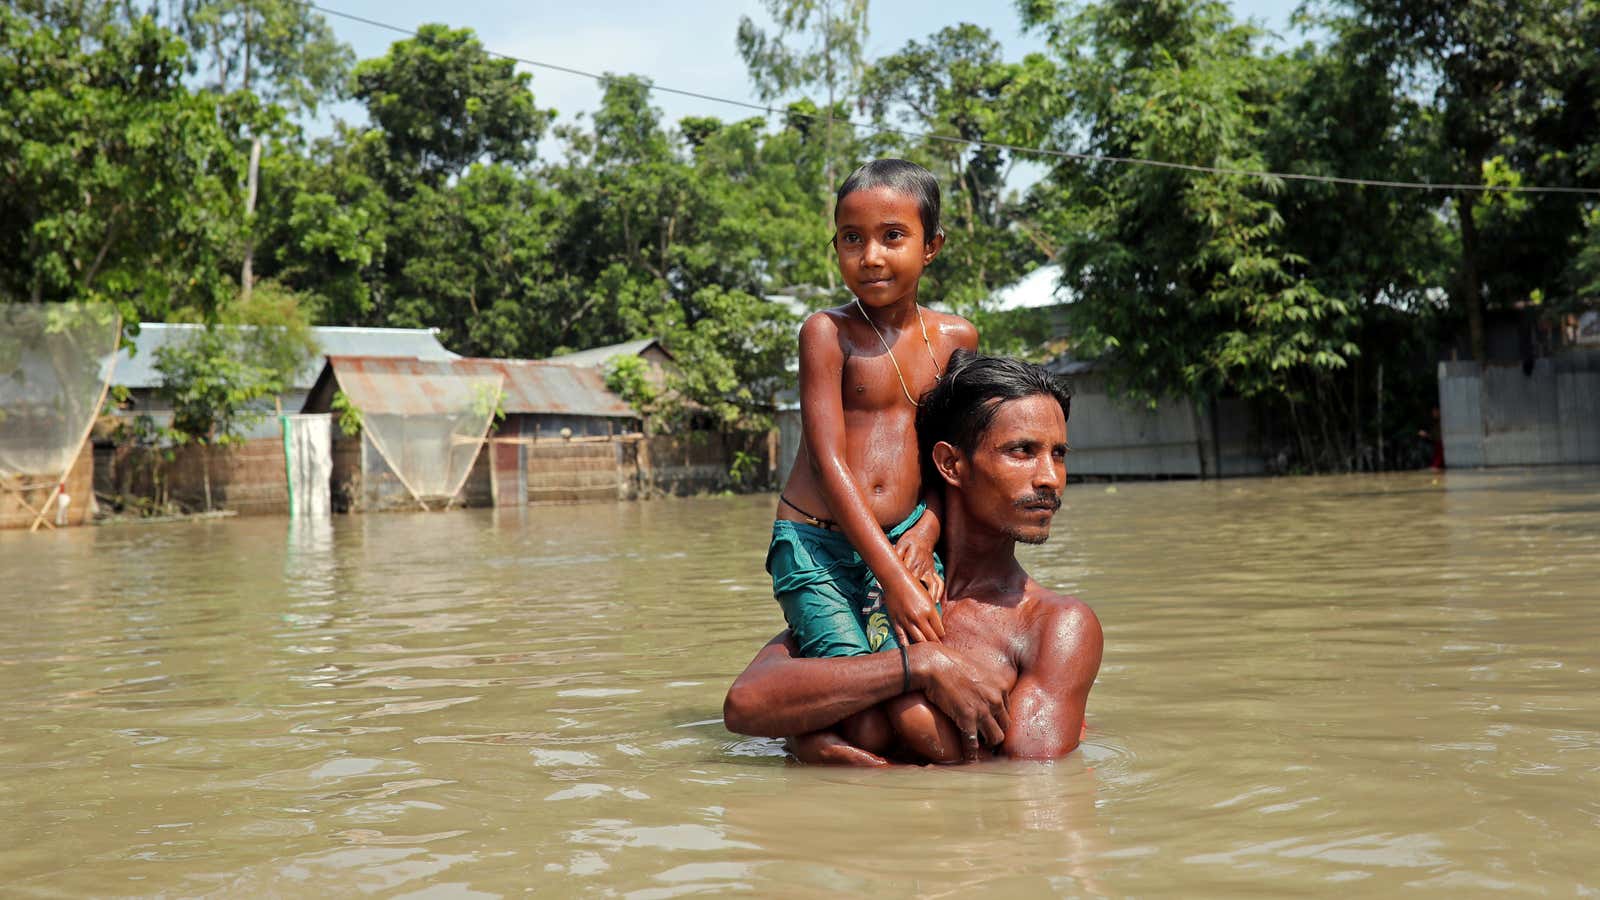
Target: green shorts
{"type": "Point", "coordinates": [829, 596]}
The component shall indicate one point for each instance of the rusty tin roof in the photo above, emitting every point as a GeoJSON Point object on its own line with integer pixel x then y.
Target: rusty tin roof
{"type": "Point", "coordinates": [530, 387]}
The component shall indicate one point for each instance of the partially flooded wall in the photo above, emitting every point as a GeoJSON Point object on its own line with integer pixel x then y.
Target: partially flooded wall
{"type": "Point", "coordinates": [1544, 412]}
{"type": "Point", "coordinates": [24, 498]}
{"type": "Point", "coordinates": [249, 478]}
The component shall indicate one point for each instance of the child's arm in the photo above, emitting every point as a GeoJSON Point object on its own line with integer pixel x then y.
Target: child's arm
{"type": "Point", "coordinates": [822, 421]}
{"type": "Point", "coordinates": [915, 547]}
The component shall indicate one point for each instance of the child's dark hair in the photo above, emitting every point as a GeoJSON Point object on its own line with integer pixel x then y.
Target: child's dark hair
{"type": "Point", "coordinates": [904, 176]}
{"type": "Point", "coordinates": [963, 403]}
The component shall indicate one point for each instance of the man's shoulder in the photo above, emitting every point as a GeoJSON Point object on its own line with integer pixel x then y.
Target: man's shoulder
{"type": "Point", "coordinates": [1061, 625]}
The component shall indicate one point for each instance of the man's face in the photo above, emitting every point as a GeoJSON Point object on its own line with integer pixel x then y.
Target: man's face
{"type": "Point", "coordinates": [1012, 480]}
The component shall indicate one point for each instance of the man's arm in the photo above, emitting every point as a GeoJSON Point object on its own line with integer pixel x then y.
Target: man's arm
{"type": "Point", "coordinates": [1053, 687]}
{"type": "Point", "coordinates": [782, 693]}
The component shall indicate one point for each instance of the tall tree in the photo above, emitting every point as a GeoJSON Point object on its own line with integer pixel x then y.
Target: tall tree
{"type": "Point", "coordinates": [1181, 277]}
{"type": "Point", "coordinates": [325, 224]}
{"type": "Point", "coordinates": [442, 102]}
{"type": "Point", "coordinates": [956, 88]}
{"type": "Point", "coordinates": [280, 51]}
{"type": "Point", "coordinates": [477, 261]}
{"type": "Point", "coordinates": [817, 44]}
{"type": "Point", "coordinates": [1496, 76]}
{"type": "Point", "coordinates": [117, 182]}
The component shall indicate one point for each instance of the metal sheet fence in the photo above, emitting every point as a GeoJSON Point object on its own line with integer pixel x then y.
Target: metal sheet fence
{"type": "Point", "coordinates": [1114, 438]}
{"type": "Point", "coordinates": [1546, 413]}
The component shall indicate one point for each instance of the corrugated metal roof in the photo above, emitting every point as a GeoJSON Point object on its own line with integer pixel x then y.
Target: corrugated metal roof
{"type": "Point", "coordinates": [138, 369]}
{"type": "Point", "coordinates": [597, 357]}
{"type": "Point", "coordinates": [413, 386]}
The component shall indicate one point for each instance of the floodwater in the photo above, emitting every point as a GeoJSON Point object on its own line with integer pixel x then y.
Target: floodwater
{"type": "Point", "coordinates": [1311, 686]}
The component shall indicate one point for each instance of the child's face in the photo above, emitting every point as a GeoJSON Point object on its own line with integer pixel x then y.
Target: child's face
{"type": "Point", "coordinates": [882, 250]}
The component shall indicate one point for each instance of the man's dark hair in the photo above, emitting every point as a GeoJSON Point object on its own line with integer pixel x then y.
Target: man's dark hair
{"type": "Point", "coordinates": [963, 403]}
{"type": "Point", "coordinates": [905, 177]}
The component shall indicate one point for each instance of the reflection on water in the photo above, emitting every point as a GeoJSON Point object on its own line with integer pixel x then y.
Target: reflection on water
{"type": "Point", "coordinates": [1310, 686]}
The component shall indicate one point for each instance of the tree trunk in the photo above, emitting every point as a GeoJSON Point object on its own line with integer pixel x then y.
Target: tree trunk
{"type": "Point", "coordinates": [205, 468]}
{"type": "Point", "coordinates": [246, 47]}
{"type": "Point", "coordinates": [247, 270]}
{"type": "Point", "coordinates": [1471, 288]}
{"type": "Point", "coordinates": [1380, 417]}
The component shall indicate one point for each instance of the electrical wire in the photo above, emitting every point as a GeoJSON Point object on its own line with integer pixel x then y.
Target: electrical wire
{"type": "Point", "coordinates": [876, 128]}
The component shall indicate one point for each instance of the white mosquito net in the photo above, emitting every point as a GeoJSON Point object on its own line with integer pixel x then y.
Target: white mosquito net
{"type": "Point", "coordinates": [55, 364]}
{"type": "Point", "coordinates": [428, 428]}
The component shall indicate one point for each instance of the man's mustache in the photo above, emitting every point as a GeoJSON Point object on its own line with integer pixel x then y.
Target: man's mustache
{"type": "Point", "coordinates": [1042, 498]}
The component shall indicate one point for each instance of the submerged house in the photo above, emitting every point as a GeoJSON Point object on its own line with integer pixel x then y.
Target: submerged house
{"type": "Point", "coordinates": [475, 432]}
{"type": "Point", "coordinates": [249, 477]}
{"type": "Point", "coordinates": [137, 375]}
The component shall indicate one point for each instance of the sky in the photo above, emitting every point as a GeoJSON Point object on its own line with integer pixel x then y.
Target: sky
{"type": "Point", "coordinates": [687, 45]}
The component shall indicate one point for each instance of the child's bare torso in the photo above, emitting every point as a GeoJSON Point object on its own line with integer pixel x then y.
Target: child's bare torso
{"type": "Point", "coordinates": [880, 435]}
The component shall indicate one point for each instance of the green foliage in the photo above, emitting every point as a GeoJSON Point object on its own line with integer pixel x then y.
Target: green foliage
{"type": "Point", "coordinates": [816, 43]}
{"type": "Point", "coordinates": [629, 378]}
{"type": "Point", "coordinates": [1586, 267]}
{"type": "Point", "coordinates": [744, 468]}
{"type": "Point", "coordinates": [350, 420]}
{"type": "Point", "coordinates": [117, 183]}
{"type": "Point", "coordinates": [473, 259]}
{"type": "Point", "coordinates": [1507, 88]}
{"type": "Point", "coordinates": [324, 224]}
{"type": "Point", "coordinates": [489, 402]}
{"type": "Point", "coordinates": [216, 395]}
{"type": "Point", "coordinates": [443, 103]}
{"type": "Point", "coordinates": [280, 50]}
{"type": "Point", "coordinates": [1182, 278]}
{"type": "Point", "coordinates": [220, 381]}
{"type": "Point", "coordinates": [730, 359]}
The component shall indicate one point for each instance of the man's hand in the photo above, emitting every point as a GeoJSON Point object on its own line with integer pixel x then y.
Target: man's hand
{"type": "Point", "coordinates": [971, 694]}
{"type": "Point", "coordinates": [912, 611]}
{"type": "Point", "coordinates": [917, 555]}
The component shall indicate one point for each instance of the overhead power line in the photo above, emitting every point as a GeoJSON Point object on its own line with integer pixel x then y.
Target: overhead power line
{"type": "Point", "coordinates": [874, 127]}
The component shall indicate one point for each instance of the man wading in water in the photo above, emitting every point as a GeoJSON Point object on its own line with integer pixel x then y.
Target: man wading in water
{"type": "Point", "coordinates": [1017, 661]}
{"type": "Point", "coordinates": [851, 557]}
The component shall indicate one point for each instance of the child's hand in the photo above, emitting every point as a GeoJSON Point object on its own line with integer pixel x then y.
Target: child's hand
{"type": "Point", "coordinates": [913, 616]}
{"type": "Point", "coordinates": [918, 560]}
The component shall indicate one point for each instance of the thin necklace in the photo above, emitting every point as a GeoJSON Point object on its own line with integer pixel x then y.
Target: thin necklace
{"type": "Point", "coordinates": [937, 372]}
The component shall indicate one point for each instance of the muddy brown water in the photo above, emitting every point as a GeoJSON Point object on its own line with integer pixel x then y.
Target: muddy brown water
{"type": "Point", "coordinates": [1314, 686]}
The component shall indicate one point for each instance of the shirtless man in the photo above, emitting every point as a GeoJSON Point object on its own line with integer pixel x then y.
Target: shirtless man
{"type": "Point", "coordinates": [851, 557]}
{"type": "Point", "coordinates": [1017, 660]}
